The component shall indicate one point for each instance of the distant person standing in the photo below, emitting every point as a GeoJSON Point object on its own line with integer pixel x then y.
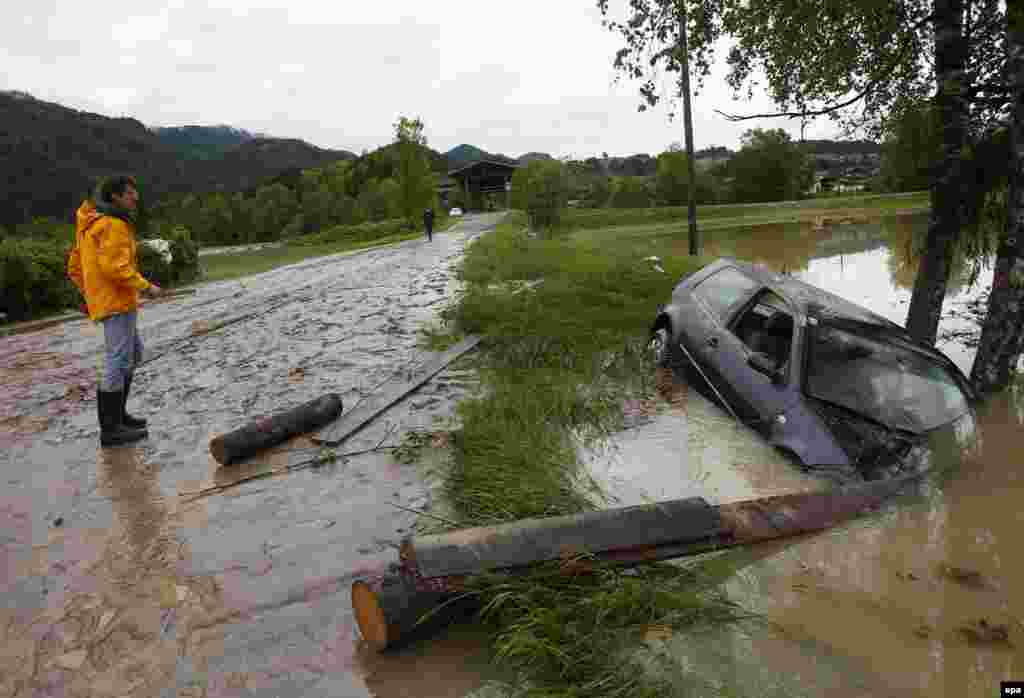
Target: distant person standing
{"type": "Point", "coordinates": [103, 266]}
{"type": "Point", "coordinates": [428, 223]}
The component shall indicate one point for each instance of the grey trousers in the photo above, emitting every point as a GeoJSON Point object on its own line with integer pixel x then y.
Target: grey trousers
{"type": "Point", "coordinates": [123, 349]}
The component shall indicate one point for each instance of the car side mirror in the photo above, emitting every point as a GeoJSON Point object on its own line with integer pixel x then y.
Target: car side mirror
{"type": "Point", "coordinates": [762, 363]}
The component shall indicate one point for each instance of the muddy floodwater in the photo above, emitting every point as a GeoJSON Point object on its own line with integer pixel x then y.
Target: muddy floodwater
{"type": "Point", "coordinates": [926, 599]}
{"type": "Point", "coordinates": [123, 574]}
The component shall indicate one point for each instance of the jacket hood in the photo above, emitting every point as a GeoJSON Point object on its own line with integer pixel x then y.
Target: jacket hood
{"type": "Point", "coordinates": [86, 216]}
{"type": "Point", "coordinates": [108, 209]}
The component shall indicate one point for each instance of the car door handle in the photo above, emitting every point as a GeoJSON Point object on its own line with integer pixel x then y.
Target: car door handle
{"type": "Point", "coordinates": [713, 342]}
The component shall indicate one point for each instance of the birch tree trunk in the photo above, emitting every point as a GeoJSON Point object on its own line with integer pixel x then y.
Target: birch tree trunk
{"type": "Point", "coordinates": [945, 219]}
{"type": "Point", "coordinates": [1003, 331]}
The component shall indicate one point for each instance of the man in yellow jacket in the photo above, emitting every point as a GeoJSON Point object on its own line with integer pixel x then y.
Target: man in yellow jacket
{"type": "Point", "coordinates": [103, 265]}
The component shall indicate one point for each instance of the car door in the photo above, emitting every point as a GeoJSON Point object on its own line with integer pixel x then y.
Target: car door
{"type": "Point", "coordinates": [715, 301]}
{"type": "Point", "coordinates": [758, 397]}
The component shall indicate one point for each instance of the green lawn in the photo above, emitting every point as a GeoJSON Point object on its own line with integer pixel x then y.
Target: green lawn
{"type": "Point", "coordinates": [224, 266]}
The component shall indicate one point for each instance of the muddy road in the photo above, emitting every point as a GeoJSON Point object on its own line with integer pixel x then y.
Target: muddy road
{"type": "Point", "coordinates": [114, 583]}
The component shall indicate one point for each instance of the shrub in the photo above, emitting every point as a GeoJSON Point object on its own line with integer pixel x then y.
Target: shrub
{"type": "Point", "coordinates": [183, 265]}
{"type": "Point", "coordinates": [363, 232]}
{"type": "Point", "coordinates": [33, 278]}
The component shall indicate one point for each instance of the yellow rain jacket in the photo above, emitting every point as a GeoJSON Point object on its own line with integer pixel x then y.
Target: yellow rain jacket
{"type": "Point", "coordinates": [103, 265]}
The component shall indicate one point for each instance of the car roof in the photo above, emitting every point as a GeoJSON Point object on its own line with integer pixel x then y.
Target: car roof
{"type": "Point", "coordinates": [808, 300]}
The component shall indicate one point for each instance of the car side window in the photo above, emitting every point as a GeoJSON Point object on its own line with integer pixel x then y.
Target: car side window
{"type": "Point", "coordinates": [767, 328]}
{"type": "Point", "coordinates": [723, 290]}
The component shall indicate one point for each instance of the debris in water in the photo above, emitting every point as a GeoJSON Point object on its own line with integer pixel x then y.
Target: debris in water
{"type": "Point", "coordinates": [981, 632]}
{"type": "Point", "coordinates": [972, 579]}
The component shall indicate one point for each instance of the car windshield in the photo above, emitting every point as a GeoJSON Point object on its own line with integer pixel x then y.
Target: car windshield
{"type": "Point", "coordinates": [888, 382]}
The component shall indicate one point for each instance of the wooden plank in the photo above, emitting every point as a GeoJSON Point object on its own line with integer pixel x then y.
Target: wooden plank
{"type": "Point", "coordinates": [396, 389]}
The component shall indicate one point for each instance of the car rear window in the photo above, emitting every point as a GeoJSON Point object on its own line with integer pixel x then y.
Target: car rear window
{"type": "Point", "coordinates": [724, 289]}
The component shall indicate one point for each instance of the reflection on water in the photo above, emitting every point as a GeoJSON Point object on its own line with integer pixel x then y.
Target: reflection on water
{"type": "Point", "coordinates": [928, 599]}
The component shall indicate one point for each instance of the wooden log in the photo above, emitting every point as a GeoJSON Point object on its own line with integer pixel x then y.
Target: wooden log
{"type": "Point", "coordinates": [531, 541]}
{"type": "Point", "coordinates": [394, 391]}
{"type": "Point", "coordinates": [393, 610]}
{"type": "Point", "coordinates": [435, 568]}
{"type": "Point", "coordinates": [264, 433]}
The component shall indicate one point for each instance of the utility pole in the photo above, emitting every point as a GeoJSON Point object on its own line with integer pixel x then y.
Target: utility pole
{"type": "Point", "coordinates": [684, 63]}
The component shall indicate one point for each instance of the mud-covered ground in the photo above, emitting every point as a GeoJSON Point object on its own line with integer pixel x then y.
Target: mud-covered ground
{"type": "Point", "coordinates": [113, 585]}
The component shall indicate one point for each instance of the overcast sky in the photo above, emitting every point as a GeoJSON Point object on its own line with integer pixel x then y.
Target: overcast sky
{"type": "Point", "coordinates": [509, 77]}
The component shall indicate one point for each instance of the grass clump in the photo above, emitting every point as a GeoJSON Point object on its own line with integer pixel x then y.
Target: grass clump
{"type": "Point", "coordinates": [583, 635]}
{"type": "Point", "coordinates": [560, 358]}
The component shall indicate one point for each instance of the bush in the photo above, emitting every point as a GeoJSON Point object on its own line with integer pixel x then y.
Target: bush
{"type": "Point", "coordinates": [363, 232]}
{"type": "Point", "coordinates": [33, 278]}
{"type": "Point", "coordinates": [183, 265]}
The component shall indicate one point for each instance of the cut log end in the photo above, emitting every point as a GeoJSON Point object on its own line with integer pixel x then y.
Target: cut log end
{"type": "Point", "coordinates": [370, 617]}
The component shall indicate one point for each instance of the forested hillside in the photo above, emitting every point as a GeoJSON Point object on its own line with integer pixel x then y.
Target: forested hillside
{"type": "Point", "coordinates": [51, 155]}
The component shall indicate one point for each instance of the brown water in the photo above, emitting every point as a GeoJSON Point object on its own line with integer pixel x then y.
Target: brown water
{"type": "Point", "coordinates": [925, 600]}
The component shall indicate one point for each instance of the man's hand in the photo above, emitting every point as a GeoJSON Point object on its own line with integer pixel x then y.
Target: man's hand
{"type": "Point", "coordinates": [154, 291]}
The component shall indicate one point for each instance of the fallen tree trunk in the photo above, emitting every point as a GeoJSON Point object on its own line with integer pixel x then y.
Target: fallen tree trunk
{"type": "Point", "coordinates": [264, 433]}
{"type": "Point", "coordinates": [434, 569]}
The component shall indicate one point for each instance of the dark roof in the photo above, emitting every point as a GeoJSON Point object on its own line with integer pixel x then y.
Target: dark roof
{"type": "Point", "coordinates": [470, 165]}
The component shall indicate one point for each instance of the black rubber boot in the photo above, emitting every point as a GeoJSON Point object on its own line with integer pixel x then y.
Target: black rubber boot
{"type": "Point", "coordinates": [126, 419]}
{"type": "Point", "coordinates": [113, 432]}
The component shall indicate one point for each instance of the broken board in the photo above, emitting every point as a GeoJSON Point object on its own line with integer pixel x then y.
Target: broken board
{"type": "Point", "coordinates": [396, 389]}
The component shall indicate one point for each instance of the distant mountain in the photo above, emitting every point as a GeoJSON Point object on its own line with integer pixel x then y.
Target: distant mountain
{"type": "Point", "coordinates": [465, 153]}
{"type": "Point", "coordinates": [530, 157]}
{"type": "Point", "coordinates": [51, 156]}
{"type": "Point", "coordinates": [250, 163]}
{"type": "Point", "coordinates": [203, 142]}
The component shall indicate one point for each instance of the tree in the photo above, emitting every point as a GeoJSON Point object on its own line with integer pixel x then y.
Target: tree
{"type": "Point", "coordinates": [859, 63]}
{"type": "Point", "coordinates": [673, 178]}
{"type": "Point", "coordinates": [600, 190]}
{"type": "Point", "coordinates": [770, 167]}
{"type": "Point", "coordinates": [910, 150]}
{"type": "Point", "coordinates": [541, 189]}
{"type": "Point", "coordinates": [415, 179]}
{"type": "Point", "coordinates": [630, 192]}
{"type": "Point", "coordinates": [1002, 334]}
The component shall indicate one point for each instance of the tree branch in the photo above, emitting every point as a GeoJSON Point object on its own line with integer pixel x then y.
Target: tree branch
{"type": "Point", "coordinates": [801, 114]}
{"type": "Point", "coordinates": [826, 110]}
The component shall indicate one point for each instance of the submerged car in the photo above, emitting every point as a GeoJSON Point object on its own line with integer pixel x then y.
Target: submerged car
{"type": "Point", "coordinates": [823, 379]}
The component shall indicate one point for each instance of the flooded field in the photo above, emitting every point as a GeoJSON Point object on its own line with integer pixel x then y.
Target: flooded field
{"type": "Point", "coordinates": [926, 599]}
{"type": "Point", "coordinates": [117, 580]}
